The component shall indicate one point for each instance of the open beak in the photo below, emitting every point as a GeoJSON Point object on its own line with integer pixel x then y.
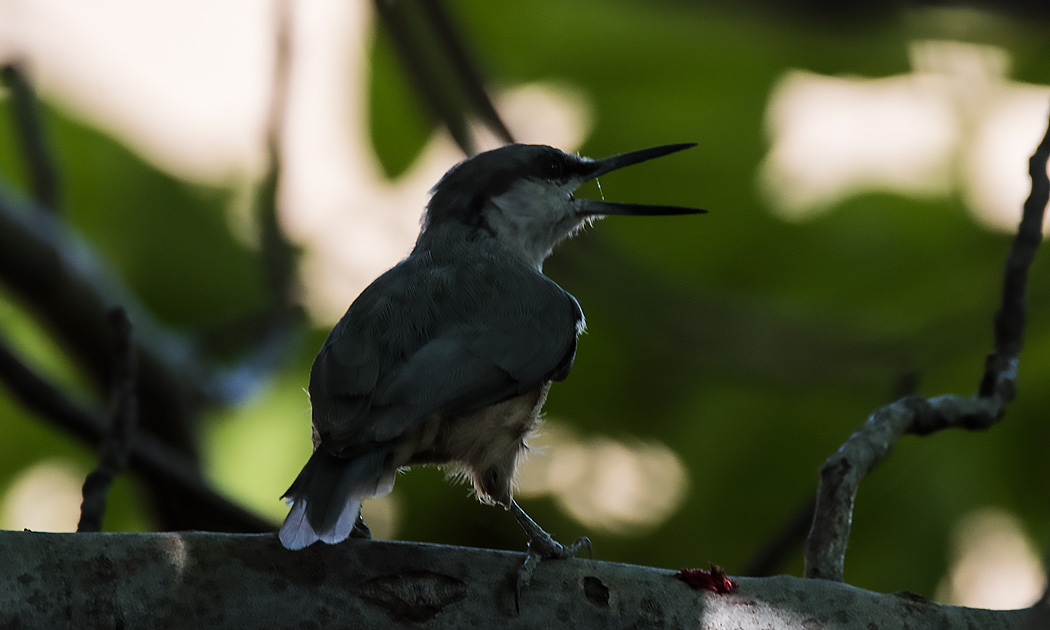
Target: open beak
{"type": "Point", "coordinates": [594, 207]}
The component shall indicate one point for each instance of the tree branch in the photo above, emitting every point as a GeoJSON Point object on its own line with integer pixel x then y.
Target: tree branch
{"type": "Point", "coordinates": [841, 474]}
{"type": "Point", "coordinates": [1010, 319]}
{"type": "Point", "coordinates": [60, 279]}
{"type": "Point", "coordinates": [278, 255]}
{"type": "Point", "coordinates": [117, 441]}
{"type": "Point", "coordinates": [451, 42]}
{"type": "Point", "coordinates": [40, 168]}
{"type": "Point", "coordinates": [784, 543]}
{"type": "Point", "coordinates": [440, 68]}
{"type": "Point", "coordinates": [265, 338]}
{"type": "Point", "coordinates": [249, 581]}
{"type": "Point", "coordinates": [206, 508]}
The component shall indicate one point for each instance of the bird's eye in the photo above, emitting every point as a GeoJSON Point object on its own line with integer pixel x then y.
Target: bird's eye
{"type": "Point", "coordinates": [554, 169]}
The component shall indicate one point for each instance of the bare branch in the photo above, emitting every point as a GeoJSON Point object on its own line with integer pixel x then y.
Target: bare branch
{"type": "Point", "coordinates": [64, 282]}
{"type": "Point", "coordinates": [61, 279]}
{"type": "Point", "coordinates": [464, 67]}
{"type": "Point", "coordinates": [784, 542]}
{"type": "Point", "coordinates": [40, 168]}
{"type": "Point", "coordinates": [277, 253]}
{"type": "Point", "coordinates": [206, 508]}
{"type": "Point", "coordinates": [194, 579]}
{"type": "Point", "coordinates": [1010, 319]}
{"type": "Point", "coordinates": [438, 100]}
{"type": "Point", "coordinates": [440, 68]}
{"type": "Point", "coordinates": [841, 474]}
{"type": "Point", "coordinates": [117, 441]}
{"type": "Point", "coordinates": [265, 338]}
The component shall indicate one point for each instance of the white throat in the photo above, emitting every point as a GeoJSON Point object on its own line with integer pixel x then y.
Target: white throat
{"type": "Point", "coordinates": [531, 217]}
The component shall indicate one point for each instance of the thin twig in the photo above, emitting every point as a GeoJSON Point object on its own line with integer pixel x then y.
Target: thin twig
{"type": "Point", "coordinates": [464, 67]}
{"type": "Point", "coordinates": [117, 442]}
{"type": "Point", "coordinates": [784, 542]}
{"type": "Point", "coordinates": [69, 289]}
{"type": "Point", "coordinates": [40, 168]}
{"type": "Point", "coordinates": [841, 474]}
{"type": "Point", "coordinates": [1010, 319]}
{"type": "Point", "coordinates": [435, 91]}
{"type": "Point", "coordinates": [794, 531]}
{"type": "Point", "coordinates": [263, 339]}
{"type": "Point", "coordinates": [209, 510]}
{"type": "Point", "coordinates": [278, 255]}
{"type": "Point", "coordinates": [64, 283]}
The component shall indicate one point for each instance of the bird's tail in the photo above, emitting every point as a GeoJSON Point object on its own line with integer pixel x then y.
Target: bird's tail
{"type": "Point", "coordinates": [326, 496]}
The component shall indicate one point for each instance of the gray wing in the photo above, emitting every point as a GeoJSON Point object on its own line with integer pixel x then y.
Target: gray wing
{"type": "Point", "coordinates": [426, 339]}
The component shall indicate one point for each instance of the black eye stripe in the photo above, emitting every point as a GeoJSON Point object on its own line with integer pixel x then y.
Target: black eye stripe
{"type": "Point", "coordinates": [465, 189]}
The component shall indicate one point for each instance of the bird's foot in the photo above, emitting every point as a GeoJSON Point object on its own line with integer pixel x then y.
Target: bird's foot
{"type": "Point", "coordinates": [361, 530]}
{"type": "Point", "coordinates": [541, 547]}
{"type": "Point", "coordinates": [546, 549]}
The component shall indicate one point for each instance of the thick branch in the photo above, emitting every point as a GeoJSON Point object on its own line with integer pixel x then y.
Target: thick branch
{"type": "Point", "coordinates": [62, 280]}
{"type": "Point", "coordinates": [841, 474]}
{"type": "Point", "coordinates": [71, 290]}
{"type": "Point", "coordinates": [249, 581]}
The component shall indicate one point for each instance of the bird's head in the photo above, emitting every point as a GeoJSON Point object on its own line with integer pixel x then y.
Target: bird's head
{"type": "Point", "coordinates": [521, 195]}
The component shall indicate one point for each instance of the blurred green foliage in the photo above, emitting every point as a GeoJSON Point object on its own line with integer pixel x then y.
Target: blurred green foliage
{"type": "Point", "coordinates": [750, 345]}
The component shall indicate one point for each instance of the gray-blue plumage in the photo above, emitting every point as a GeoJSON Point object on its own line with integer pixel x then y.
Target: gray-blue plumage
{"type": "Point", "coordinates": [447, 358]}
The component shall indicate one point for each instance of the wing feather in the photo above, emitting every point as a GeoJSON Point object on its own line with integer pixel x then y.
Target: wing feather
{"type": "Point", "coordinates": [426, 338]}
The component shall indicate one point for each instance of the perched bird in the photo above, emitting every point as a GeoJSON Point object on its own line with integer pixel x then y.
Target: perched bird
{"type": "Point", "coordinates": [447, 358]}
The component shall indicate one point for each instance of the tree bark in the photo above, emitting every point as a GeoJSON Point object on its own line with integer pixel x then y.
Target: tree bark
{"type": "Point", "coordinates": [206, 580]}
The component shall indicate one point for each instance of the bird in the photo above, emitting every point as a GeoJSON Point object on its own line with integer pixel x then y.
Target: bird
{"type": "Point", "coordinates": [447, 358]}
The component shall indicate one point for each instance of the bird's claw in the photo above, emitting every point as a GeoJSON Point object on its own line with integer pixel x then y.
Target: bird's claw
{"type": "Point", "coordinates": [580, 543]}
{"type": "Point", "coordinates": [545, 548]}
{"type": "Point", "coordinates": [361, 530]}
{"type": "Point", "coordinates": [552, 549]}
